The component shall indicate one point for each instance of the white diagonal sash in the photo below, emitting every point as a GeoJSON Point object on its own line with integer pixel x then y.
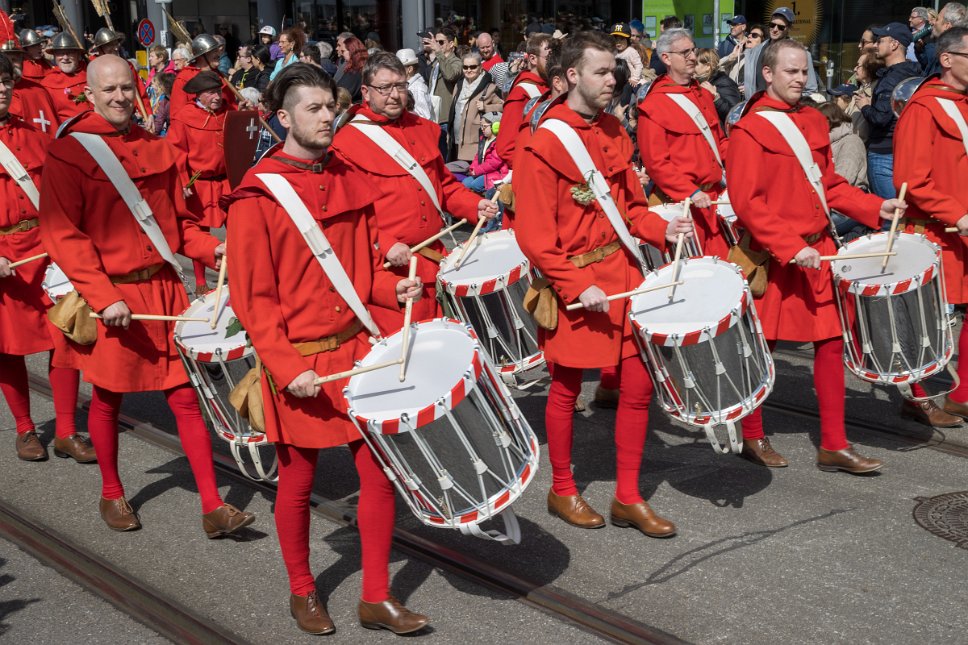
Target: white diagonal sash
{"type": "Point", "coordinates": [19, 174]}
{"type": "Point", "coordinates": [801, 150]}
{"type": "Point", "coordinates": [693, 112]}
{"type": "Point", "coordinates": [951, 109]}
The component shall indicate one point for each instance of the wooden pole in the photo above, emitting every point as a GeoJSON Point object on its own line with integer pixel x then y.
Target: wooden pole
{"type": "Point", "coordinates": [893, 233]}
{"type": "Point", "coordinates": [408, 313]}
{"type": "Point", "coordinates": [627, 294]}
{"type": "Point", "coordinates": [354, 372]}
{"type": "Point", "coordinates": [852, 256]}
{"type": "Point", "coordinates": [677, 262]}
{"type": "Point", "coordinates": [158, 317]}
{"type": "Point", "coordinates": [431, 239]}
{"type": "Point", "coordinates": [14, 265]}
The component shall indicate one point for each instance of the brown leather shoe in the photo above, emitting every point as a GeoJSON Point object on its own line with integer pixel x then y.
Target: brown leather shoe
{"type": "Point", "coordinates": [224, 520]}
{"type": "Point", "coordinates": [953, 407]}
{"type": "Point", "coordinates": [642, 517]}
{"type": "Point", "coordinates": [847, 460]}
{"type": "Point", "coordinates": [929, 413]}
{"type": "Point", "coordinates": [574, 510]}
{"type": "Point", "coordinates": [759, 451]}
{"type": "Point", "coordinates": [75, 446]}
{"type": "Point", "coordinates": [118, 515]}
{"type": "Point", "coordinates": [29, 447]}
{"type": "Point", "coordinates": [310, 614]}
{"type": "Point", "coordinates": [390, 614]}
{"type": "Point", "coordinates": [606, 398]}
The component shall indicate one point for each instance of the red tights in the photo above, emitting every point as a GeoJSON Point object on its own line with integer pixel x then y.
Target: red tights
{"type": "Point", "coordinates": [375, 515]}
{"type": "Point", "coordinates": [102, 424]}
{"type": "Point", "coordinates": [16, 391]}
{"type": "Point", "coordinates": [828, 381]}
{"type": "Point", "coordinates": [631, 422]}
{"type": "Point", "coordinates": [960, 395]}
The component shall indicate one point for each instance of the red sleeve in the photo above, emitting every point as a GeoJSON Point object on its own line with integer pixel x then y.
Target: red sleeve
{"type": "Point", "coordinates": [511, 119]}
{"type": "Point", "coordinates": [645, 224]}
{"type": "Point", "coordinates": [383, 290]}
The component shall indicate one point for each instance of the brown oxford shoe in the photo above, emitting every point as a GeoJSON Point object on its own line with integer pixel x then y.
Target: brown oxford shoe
{"type": "Point", "coordinates": [574, 510]}
{"type": "Point", "coordinates": [75, 446]}
{"type": "Point", "coordinates": [224, 520]}
{"type": "Point", "coordinates": [390, 614]}
{"type": "Point", "coordinates": [310, 614]}
{"type": "Point", "coordinates": [929, 413]}
{"type": "Point", "coordinates": [953, 407]}
{"type": "Point", "coordinates": [759, 451]}
{"type": "Point", "coordinates": [118, 515]}
{"type": "Point", "coordinates": [29, 447]}
{"type": "Point", "coordinates": [847, 460]}
{"type": "Point", "coordinates": [606, 398]}
{"type": "Point", "coordinates": [642, 517]}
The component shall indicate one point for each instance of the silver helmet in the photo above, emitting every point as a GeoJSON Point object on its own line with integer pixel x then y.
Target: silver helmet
{"type": "Point", "coordinates": [105, 36]}
{"type": "Point", "coordinates": [11, 47]}
{"type": "Point", "coordinates": [903, 92]}
{"type": "Point", "coordinates": [203, 44]}
{"type": "Point", "coordinates": [64, 41]}
{"type": "Point", "coordinates": [29, 37]}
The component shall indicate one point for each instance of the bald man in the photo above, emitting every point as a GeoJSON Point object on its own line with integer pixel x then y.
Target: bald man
{"type": "Point", "coordinates": [489, 54]}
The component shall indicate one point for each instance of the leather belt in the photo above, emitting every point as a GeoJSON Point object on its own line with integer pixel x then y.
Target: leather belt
{"type": "Point", "coordinates": [21, 226]}
{"type": "Point", "coordinates": [430, 254]}
{"type": "Point", "coordinates": [814, 238]}
{"type": "Point", "coordinates": [137, 276]}
{"type": "Point", "coordinates": [330, 343]}
{"type": "Point", "coordinates": [920, 225]}
{"type": "Point", "coordinates": [703, 187]}
{"type": "Point", "coordinates": [213, 178]}
{"type": "Point", "coordinates": [595, 255]}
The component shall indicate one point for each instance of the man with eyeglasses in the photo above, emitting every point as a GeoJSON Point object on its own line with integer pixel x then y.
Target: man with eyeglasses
{"type": "Point", "coordinates": [405, 213]}
{"type": "Point", "coordinates": [780, 26]}
{"type": "Point", "coordinates": [247, 74]}
{"type": "Point", "coordinates": [930, 155]}
{"type": "Point", "coordinates": [735, 37]}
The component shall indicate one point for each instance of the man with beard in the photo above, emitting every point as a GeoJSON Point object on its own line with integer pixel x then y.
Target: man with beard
{"type": "Point", "coordinates": [303, 325]}
{"type": "Point", "coordinates": [30, 100]}
{"type": "Point", "coordinates": [576, 247]}
{"type": "Point", "coordinates": [529, 84]}
{"type": "Point", "coordinates": [379, 133]}
{"type": "Point", "coordinates": [67, 81]}
{"type": "Point", "coordinates": [36, 65]}
{"type": "Point", "coordinates": [206, 51]}
{"type": "Point", "coordinates": [197, 132]}
{"type": "Point", "coordinates": [119, 256]}
{"type": "Point", "coordinates": [781, 207]}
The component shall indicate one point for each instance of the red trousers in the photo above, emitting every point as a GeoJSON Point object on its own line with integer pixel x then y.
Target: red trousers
{"type": "Point", "coordinates": [102, 424]}
{"type": "Point", "coordinates": [960, 393]}
{"type": "Point", "coordinates": [375, 515]}
{"type": "Point", "coordinates": [631, 422]}
{"type": "Point", "coordinates": [16, 391]}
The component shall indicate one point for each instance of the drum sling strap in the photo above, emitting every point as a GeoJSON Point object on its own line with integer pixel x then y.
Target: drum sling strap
{"type": "Point", "coordinates": [532, 90]}
{"type": "Point", "coordinates": [693, 112]}
{"type": "Point", "coordinates": [951, 109]}
{"type": "Point", "coordinates": [19, 174]}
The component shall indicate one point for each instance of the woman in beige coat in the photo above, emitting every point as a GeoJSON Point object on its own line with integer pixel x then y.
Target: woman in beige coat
{"type": "Point", "coordinates": [474, 95]}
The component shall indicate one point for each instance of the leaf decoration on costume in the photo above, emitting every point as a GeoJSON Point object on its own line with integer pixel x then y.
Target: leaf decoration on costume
{"type": "Point", "coordinates": [234, 327]}
{"type": "Point", "coordinates": [80, 98]}
{"type": "Point", "coordinates": [582, 193]}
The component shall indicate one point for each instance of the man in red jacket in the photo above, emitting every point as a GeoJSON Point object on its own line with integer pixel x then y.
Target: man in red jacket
{"type": "Point", "coordinates": [36, 66]}
{"type": "Point", "coordinates": [575, 246]}
{"type": "Point", "coordinates": [680, 142]}
{"type": "Point", "coordinates": [207, 51]}
{"type": "Point", "coordinates": [528, 84]}
{"type": "Point", "coordinates": [778, 205]}
{"type": "Point", "coordinates": [117, 267]}
{"type": "Point", "coordinates": [302, 328]}
{"type": "Point", "coordinates": [67, 81]}
{"type": "Point", "coordinates": [405, 213]}
{"type": "Point", "coordinates": [30, 101]}
{"type": "Point", "coordinates": [930, 154]}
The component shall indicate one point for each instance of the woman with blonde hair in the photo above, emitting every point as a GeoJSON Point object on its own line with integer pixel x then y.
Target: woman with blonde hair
{"type": "Point", "coordinates": [725, 91]}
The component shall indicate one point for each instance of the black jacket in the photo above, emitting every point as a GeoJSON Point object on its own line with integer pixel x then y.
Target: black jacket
{"type": "Point", "coordinates": [879, 114]}
{"type": "Point", "coordinates": [728, 92]}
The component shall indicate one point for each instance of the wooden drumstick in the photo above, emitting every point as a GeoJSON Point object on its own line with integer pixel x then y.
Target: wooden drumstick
{"type": "Point", "coordinates": [467, 245]}
{"type": "Point", "coordinates": [218, 291]}
{"type": "Point", "coordinates": [677, 262]}
{"type": "Point", "coordinates": [14, 265]}
{"type": "Point", "coordinates": [158, 317]}
{"type": "Point", "coordinates": [432, 239]}
{"type": "Point", "coordinates": [851, 256]}
{"type": "Point", "coordinates": [408, 312]}
{"type": "Point", "coordinates": [893, 233]}
{"type": "Point", "coordinates": [948, 229]}
{"type": "Point", "coordinates": [627, 294]}
{"type": "Point", "coordinates": [355, 371]}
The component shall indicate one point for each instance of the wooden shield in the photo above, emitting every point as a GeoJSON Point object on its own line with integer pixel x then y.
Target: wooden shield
{"type": "Point", "coordinates": [241, 137]}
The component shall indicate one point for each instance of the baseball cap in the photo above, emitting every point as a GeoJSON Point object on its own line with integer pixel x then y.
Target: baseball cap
{"type": "Point", "coordinates": [269, 31]}
{"type": "Point", "coordinates": [897, 31]}
{"type": "Point", "coordinates": [843, 90]}
{"type": "Point", "coordinates": [786, 13]}
{"type": "Point", "coordinates": [737, 20]}
{"type": "Point", "coordinates": [621, 29]}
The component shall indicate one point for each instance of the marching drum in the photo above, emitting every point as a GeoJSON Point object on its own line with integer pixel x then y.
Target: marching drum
{"type": "Point", "coordinates": [449, 436]}
{"type": "Point", "coordinates": [216, 359]}
{"type": "Point", "coordinates": [654, 257]}
{"type": "Point", "coordinates": [486, 292]}
{"type": "Point", "coordinates": [705, 348]}
{"type": "Point", "coordinates": [895, 322]}
{"type": "Point", "coordinates": [56, 283]}
{"type": "Point", "coordinates": [727, 219]}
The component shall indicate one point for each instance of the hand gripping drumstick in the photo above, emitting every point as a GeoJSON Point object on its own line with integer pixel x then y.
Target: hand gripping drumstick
{"type": "Point", "coordinates": [218, 291]}
{"type": "Point", "coordinates": [470, 240]}
{"type": "Point", "coordinates": [627, 294]}
{"type": "Point", "coordinates": [406, 323]}
{"type": "Point", "coordinates": [431, 239]}
{"type": "Point", "coordinates": [14, 265]}
{"type": "Point", "coordinates": [893, 233]}
{"type": "Point", "coordinates": [156, 317]}
{"type": "Point", "coordinates": [677, 262]}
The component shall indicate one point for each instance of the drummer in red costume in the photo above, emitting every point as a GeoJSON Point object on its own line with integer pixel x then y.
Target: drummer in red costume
{"type": "Point", "coordinates": [576, 248]}
{"type": "Point", "coordinates": [777, 204]}
{"type": "Point", "coordinates": [405, 213]}
{"type": "Point", "coordinates": [66, 83]}
{"type": "Point", "coordinates": [530, 83]}
{"type": "Point", "coordinates": [197, 131]}
{"type": "Point", "coordinates": [931, 155]}
{"type": "Point", "coordinates": [109, 42]}
{"type": "Point", "coordinates": [302, 327]}
{"type": "Point", "coordinates": [24, 328]}
{"type": "Point", "coordinates": [674, 151]}
{"type": "Point", "coordinates": [30, 101]}
{"type": "Point", "coordinates": [116, 266]}
{"type": "Point", "coordinates": [36, 65]}
{"type": "Point", "coordinates": [206, 51]}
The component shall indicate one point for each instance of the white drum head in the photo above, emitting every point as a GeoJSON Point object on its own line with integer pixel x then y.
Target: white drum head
{"type": "Point", "coordinates": [495, 260]}
{"type": "Point", "coordinates": [55, 284]}
{"type": "Point", "coordinates": [443, 362]}
{"type": "Point", "coordinates": [228, 340]}
{"type": "Point", "coordinates": [915, 257]}
{"type": "Point", "coordinates": [711, 291]}
{"type": "Point", "coordinates": [668, 211]}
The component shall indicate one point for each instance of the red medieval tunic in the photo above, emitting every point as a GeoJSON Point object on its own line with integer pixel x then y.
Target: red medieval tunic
{"type": "Point", "coordinates": [33, 104]}
{"type": "Point", "coordinates": [512, 115]}
{"type": "Point", "coordinates": [36, 70]}
{"type": "Point", "coordinates": [198, 134]}
{"type": "Point", "coordinates": [520, 142]}
{"type": "Point", "coordinates": [775, 202]}
{"type": "Point", "coordinates": [678, 157]}
{"type": "Point", "coordinates": [180, 99]}
{"type": "Point", "coordinates": [404, 212]}
{"type": "Point", "coordinates": [929, 155]}
{"type": "Point", "coordinates": [23, 307]}
{"type": "Point", "coordinates": [282, 296]}
{"type": "Point", "coordinates": [67, 92]}
{"type": "Point", "coordinates": [90, 232]}
{"type": "Point", "coordinates": [552, 227]}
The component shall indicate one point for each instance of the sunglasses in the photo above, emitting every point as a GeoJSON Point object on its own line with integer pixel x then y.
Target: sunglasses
{"type": "Point", "coordinates": [466, 67]}
{"type": "Point", "coordinates": [756, 34]}
{"type": "Point", "coordinates": [778, 26]}
{"type": "Point", "coordinates": [441, 42]}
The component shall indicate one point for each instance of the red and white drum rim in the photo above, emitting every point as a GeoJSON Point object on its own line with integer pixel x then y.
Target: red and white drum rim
{"type": "Point", "coordinates": [230, 351]}
{"type": "Point", "coordinates": [494, 283]}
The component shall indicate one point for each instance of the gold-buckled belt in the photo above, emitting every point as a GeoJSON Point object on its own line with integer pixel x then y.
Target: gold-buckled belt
{"type": "Point", "coordinates": [330, 343]}
{"type": "Point", "coordinates": [20, 227]}
{"type": "Point", "coordinates": [595, 255]}
{"type": "Point", "coordinates": [137, 276]}
{"type": "Point", "coordinates": [813, 239]}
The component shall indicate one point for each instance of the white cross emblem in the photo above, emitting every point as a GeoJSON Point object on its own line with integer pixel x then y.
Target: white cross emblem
{"type": "Point", "coordinates": [42, 121]}
{"type": "Point", "coordinates": [252, 129]}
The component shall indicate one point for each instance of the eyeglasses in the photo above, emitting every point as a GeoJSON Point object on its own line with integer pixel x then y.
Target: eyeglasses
{"type": "Point", "coordinates": [778, 26]}
{"type": "Point", "coordinates": [441, 42]}
{"type": "Point", "coordinates": [867, 42]}
{"type": "Point", "coordinates": [387, 90]}
{"type": "Point", "coordinates": [962, 54]}
{"type": "Point", "coordinates": [8, 83]}
{"type": "Point", "coordinates": [467, 67]}
{"type": "Point", "coordinates": [756, 34]}
{"type": "Point", "coordinates": [686, 53]}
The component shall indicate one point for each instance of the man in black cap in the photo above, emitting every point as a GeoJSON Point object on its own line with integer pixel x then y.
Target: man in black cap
{"type": "Point", "coordinates": [735, 37]}
{"type": "Point", "coordinates": [781, 24]}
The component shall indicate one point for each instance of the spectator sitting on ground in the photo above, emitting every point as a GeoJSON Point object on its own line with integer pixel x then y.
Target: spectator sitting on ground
{"type": "Point", "coordinates": [486, 167]}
